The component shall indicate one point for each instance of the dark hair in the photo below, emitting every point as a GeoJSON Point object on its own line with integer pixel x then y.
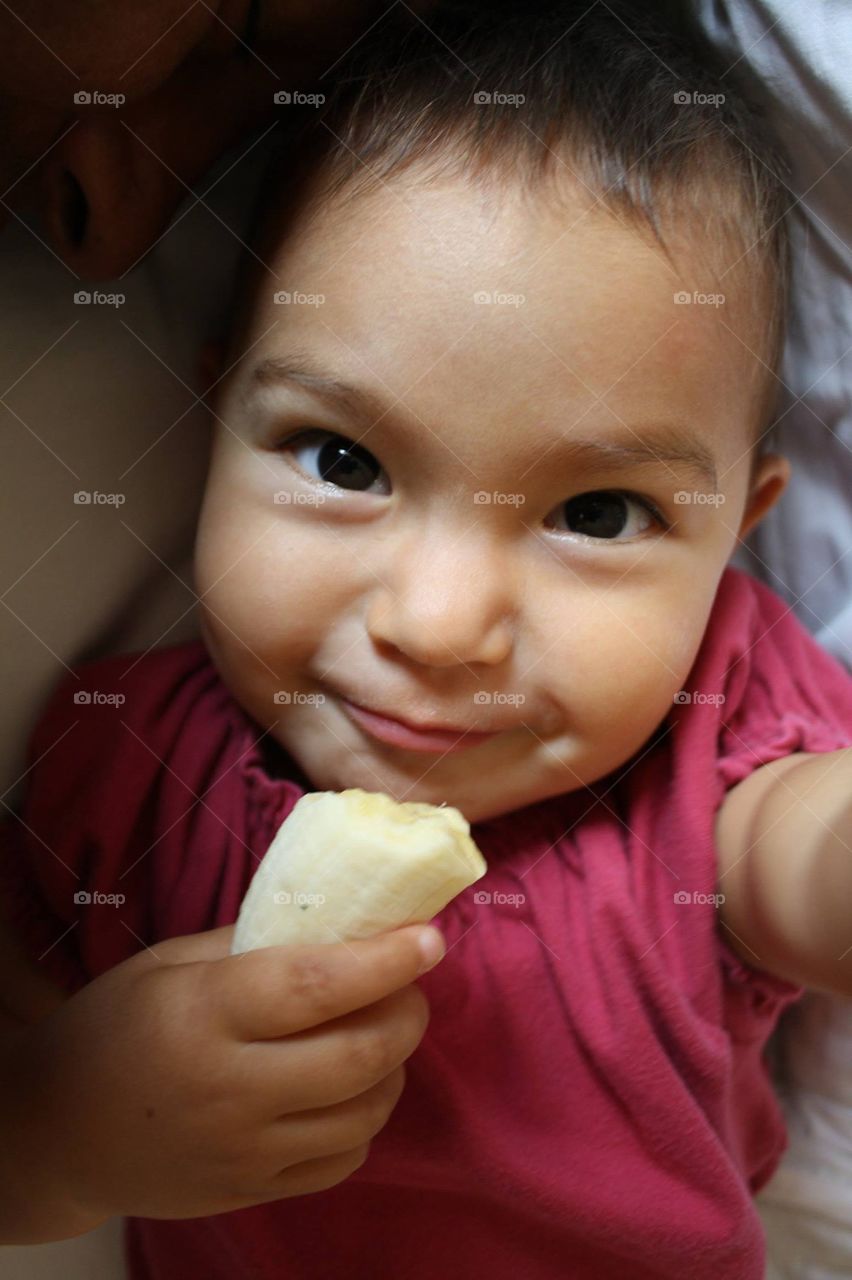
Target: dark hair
{"type": "Point", "coordinates": [637, 111]}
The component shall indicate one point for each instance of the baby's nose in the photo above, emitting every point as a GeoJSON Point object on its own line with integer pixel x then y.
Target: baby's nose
{"type": "Point", "coordinates": [444, 606]}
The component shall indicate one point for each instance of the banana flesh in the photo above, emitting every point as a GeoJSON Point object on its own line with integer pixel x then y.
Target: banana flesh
{"type": "Point", "coordinates": [351, 864]}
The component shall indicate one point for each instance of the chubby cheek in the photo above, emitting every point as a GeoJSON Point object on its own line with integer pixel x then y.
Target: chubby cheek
{"type": "Point", "coordinates": [267, 600]}
{"type": "Point", "coordinates": [625, 667]}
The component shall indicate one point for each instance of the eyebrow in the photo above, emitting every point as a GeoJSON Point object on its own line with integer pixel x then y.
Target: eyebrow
{"type": "Point", "coordinates": [357, 401]}
{"type": "Point", "coordinates": [673, 445]}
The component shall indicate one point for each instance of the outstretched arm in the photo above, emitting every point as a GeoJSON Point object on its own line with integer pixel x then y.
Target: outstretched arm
{"type": "Point", "coordinates": [784, 839]}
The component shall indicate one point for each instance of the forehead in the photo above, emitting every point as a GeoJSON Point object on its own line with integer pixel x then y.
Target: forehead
{"type": "Point", "coordinates": [514, 304]}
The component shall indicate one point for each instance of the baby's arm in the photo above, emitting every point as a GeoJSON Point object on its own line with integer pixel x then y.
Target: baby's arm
{"type": "Point", "coordinates": [784, 841]}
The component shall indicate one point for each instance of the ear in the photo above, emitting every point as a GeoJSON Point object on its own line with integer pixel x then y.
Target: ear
{"type": "Point", "coordinates": [769, 476]}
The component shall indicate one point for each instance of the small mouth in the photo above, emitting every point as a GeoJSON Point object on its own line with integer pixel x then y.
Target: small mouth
{"type": "Point", "coordinates": [394, 732]}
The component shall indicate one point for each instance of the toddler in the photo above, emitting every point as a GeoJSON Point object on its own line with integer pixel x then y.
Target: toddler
{"type": "Point", "coordinates": [488, 426]}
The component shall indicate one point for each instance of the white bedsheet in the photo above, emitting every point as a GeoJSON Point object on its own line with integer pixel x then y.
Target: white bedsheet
{"type": "Point", "coordinates": [796, 59]}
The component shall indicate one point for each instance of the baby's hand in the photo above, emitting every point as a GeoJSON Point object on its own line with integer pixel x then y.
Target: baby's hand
{"type": "Point", "coordinates": [193, 1082]}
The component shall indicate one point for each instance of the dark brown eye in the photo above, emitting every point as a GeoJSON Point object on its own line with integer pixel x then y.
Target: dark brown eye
{"type": "Point", "coordinates": [336, 459]}
{"type": "Point", "coordinates": [607, 513]}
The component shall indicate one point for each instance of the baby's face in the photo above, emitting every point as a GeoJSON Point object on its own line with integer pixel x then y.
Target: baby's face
{"type": "Point", "coordinates": [447, 484]}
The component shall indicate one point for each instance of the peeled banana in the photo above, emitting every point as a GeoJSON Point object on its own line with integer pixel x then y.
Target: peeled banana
{"type": "Point", "coordinates": [351, 864]}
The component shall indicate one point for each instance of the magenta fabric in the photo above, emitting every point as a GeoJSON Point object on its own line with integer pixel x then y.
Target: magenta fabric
{"type": "Point", "coordinates": [590, 1098]}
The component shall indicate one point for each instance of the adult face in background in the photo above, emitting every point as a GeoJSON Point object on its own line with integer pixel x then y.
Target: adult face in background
{"type": "Point", "coordinates": [195, 75]}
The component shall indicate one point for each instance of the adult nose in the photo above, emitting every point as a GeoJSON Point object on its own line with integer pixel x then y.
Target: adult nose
{"type": "Point", "coordinates": [443, 604]}
{"type": "Point", "coordinates": [110, 186]}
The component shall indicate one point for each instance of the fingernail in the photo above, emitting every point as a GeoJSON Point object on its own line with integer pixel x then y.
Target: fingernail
{"type": "Point", "coordinates": [75, 209]}
{"type": "Point", "coordinates": [432, 948]}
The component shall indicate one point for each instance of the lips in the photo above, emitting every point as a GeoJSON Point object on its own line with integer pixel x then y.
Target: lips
{"type": "Point", "coordinates": [402, 734]}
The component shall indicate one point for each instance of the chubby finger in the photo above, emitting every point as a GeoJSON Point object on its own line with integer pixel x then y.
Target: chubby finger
{"type": "Point", "coordinates": [276, 991]}
{"type": "Point", "coordinates": [340, 1060]}
{"type": "Point", "coordinates": [190, 948]}
{"type": "Point", "coordinates": [328, 1131]}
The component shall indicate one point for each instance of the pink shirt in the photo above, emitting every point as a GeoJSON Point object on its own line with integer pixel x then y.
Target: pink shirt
{"type": "Point", "coordinates": [589, 1099]}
